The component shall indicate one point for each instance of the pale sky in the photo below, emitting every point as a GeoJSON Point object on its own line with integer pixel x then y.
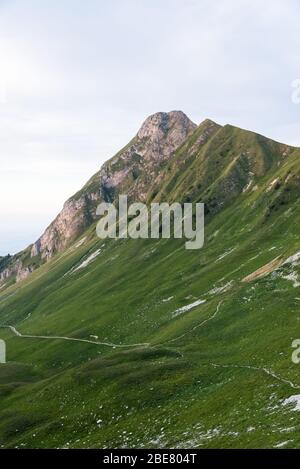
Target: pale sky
{"type": "Point", "coordinates": [77, 78]}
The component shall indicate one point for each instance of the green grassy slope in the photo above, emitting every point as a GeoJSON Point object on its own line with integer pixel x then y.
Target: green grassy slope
{"type": "Point", "coordinates": [215, 375]}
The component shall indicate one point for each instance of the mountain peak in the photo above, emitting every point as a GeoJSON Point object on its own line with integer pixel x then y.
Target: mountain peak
{"type": "Point", "coordinates": [160, 123]}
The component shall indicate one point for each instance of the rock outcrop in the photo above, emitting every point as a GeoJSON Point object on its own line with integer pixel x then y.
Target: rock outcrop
{"type": "Point", "coordinates": [162, 133]}
{"type": "Point", "coordinates": [15, 268]}
{"type": "Point", "coordinates": [75, 217]}
{"type": "Point", "coordinates": [134, 170]}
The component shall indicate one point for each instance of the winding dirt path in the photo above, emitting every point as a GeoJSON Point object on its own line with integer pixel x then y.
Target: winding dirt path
{"type": "Point", "coordinates": [72, 339]}
{"type": "Point", "coordinates": [107, 344]}
{"type": "Point", "coordinates": [194, 327]}
{"type": "Point", "coordinates": [260, 369]}
{"type": "Point", "coordinates": [148, 344]}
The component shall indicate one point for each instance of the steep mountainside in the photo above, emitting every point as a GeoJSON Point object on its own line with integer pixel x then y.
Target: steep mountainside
{"type": "Point", "coordinates": [132, 171]}
{"type": "Point", "coordinates": [170, 157]}
{"type": "Point", "coordinates": [141, 343]}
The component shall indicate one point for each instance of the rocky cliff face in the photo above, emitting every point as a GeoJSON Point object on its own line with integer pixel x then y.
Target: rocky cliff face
{"type": "Point", "coordinates": [75, 217]}
{"type": "Point", "coordinates": [133, 171]}
{"type": "Point", "coordinates": [129, 171]}
{"type": "Point", "coordinates": [162, 133]}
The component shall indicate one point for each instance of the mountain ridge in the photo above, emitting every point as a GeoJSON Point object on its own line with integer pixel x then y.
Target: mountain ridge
{"type": "Point", "coordinates": [139, 170]}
